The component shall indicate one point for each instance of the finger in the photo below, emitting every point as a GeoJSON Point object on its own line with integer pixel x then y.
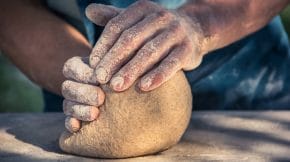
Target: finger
{"type": "Point", "coordinates": [152, 52]}
{"type": "Point", "coordinates": [80, 111]}
{"type": "Point", "coordinates": [128, 43]}
{"type": "Point", "coordinates": [72, 124]}
{"type": "Point", "coordinates": [116, 26]}
{"type": "Point", "coordinates": [77, 69]}
{"type": "Point", "coordinates": [167, 68]}
{"type": "Point", "coordinates": [194, 59]}
{"type": "Point", "coordinates": [83, 93]}
{"type": "Point", "coordinates": [100, 14]}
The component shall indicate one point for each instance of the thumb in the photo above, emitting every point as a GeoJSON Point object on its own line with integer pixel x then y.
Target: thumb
{"type": "Point", "coordinates": [100, 14]}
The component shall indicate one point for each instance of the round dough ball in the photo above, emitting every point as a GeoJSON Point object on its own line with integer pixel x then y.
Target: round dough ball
{"type": "Point", "coordinates": [134, 123]}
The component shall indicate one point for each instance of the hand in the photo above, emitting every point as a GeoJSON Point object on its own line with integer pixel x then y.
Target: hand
{"type": "Point", "coordinates": [81, 99]}
{"type": "Point", "coordinates": [144, 40]}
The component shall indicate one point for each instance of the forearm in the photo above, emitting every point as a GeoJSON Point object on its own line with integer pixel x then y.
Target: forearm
{"type": "Point", "coordinates": [224, 22]}
{"type": "Point", "coordinates": [38, 42]}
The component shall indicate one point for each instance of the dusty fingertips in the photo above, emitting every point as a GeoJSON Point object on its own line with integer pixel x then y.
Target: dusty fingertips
{"type": "Point", "coordinates": [72, 124]}
{"type": "Point", "coordinates": [77, 69]}
{"type": "Point", "coordinates": [83, 93]}
{"type": "Point", "coordinates": [80, 111]}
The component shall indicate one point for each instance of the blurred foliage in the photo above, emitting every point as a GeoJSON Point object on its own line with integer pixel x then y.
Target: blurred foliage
{"type": "Point", "coordinates": [18, 94]}
{"type": "Point", "coordinates": [286, 19]}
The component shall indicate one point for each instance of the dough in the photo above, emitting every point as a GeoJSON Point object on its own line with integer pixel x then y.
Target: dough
{"type": "Point", "coordinates": [134, 123]}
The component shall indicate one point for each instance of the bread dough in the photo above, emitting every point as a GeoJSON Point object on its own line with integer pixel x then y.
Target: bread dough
{"type": "Point", "coordinates": [134, 123]}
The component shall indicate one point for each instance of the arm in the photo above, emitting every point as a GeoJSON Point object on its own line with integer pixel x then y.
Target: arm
{"type": "Point", "coordinates": [38, 42]}
{"type": "Point", "coordinates": [153, 43]}
{"type": "Point", "coordinates": [224, 22]}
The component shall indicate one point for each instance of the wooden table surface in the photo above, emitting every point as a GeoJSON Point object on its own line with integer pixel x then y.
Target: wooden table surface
{"type": "Point", "coordinates": [223, 136]}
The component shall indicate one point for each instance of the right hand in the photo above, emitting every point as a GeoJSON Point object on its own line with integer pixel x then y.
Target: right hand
{"type": "Point", "coordinates": [82, 96]}
{"type": "Point", "coordinates": [145, 43]}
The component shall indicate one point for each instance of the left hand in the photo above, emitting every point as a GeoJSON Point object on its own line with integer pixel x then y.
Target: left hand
{"type": "Point", "coordinates": [82, 98]}
{"type": "Point", "coordinates": [144, 40]}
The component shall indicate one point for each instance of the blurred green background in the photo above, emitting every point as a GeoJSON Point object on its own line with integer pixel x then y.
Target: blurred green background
{"type": "Point", "coordinates": [19, 94]}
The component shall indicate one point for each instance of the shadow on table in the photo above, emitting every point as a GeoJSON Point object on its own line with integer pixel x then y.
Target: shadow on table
{"type": "Point", "coordinates": [14, 157]}
{"type": "Point", "coordinates": [271, 140]}
{"type": "Point", "coordinates": [43, 133]}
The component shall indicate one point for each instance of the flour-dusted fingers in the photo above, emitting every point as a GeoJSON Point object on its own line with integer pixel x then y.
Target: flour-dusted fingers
{"type": "Point", "coordinates": [116, 26]}
{"type": "Point", "coordinates": [149, 55]}
{"type": "Point", "coordinates": [78, 69]}
{"type": "Point", "coordinates": [72, 124]}
{"type": "Point", "coordinates": [175, 61]}
{"type": "Point", "coordinates": [131, 52]}
{"type": "Point", "coordinates": [129, 42]}
{"type": "Point", "coordinates": [83, 93]}
{"type": "Point", "coordinates": [80, 111]}
{"type": "Point", "coordinates": [101, 14]}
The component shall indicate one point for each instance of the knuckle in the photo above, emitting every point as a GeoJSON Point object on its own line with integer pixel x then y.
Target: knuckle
{"type": "Point", "coordinates": [113, 22]}
{"type": "Point", "coordinates": [80, 110]}
{"type": "Point", "coordinates": [65, 85]}
{"type": "Point", "coordinates": [113, 26]}
{"type": "Point", "coordinates": [70, 64]}
{"type": "Point", "coordinates": [175, 60]}
{"type": "Point", "coordinates": [127, 37]}
{"type": "Point", "coordinates": [128, 34]}
{"type": "Point", "coordinates": [171, 64]}
{"type": "Point", "coordinates": [175, 27]}
{"type": "Point", "coordinates": [164, 15]}
{"type": "Point", "coordinates": [94, 59]}
{"type": "Point", "coordinates": [148, 50]}
{"type": "Point", "coordinates": [132, 31]}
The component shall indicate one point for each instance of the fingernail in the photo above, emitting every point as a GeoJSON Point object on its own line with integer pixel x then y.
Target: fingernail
{"type": "Point", "coordinates": [101, 75]}
{"type": "Point", "coordinates": [72, 124]}
{"type": "Point", "coordinates": [117, 83]}
{"type": "Point", "coordinates": [146, 83]}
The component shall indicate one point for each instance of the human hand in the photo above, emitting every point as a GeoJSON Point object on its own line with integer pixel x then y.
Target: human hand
{"type": "Point", "coordinates": [81, 97]}
{"type": "Point", "coordinates": [144, 40]}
